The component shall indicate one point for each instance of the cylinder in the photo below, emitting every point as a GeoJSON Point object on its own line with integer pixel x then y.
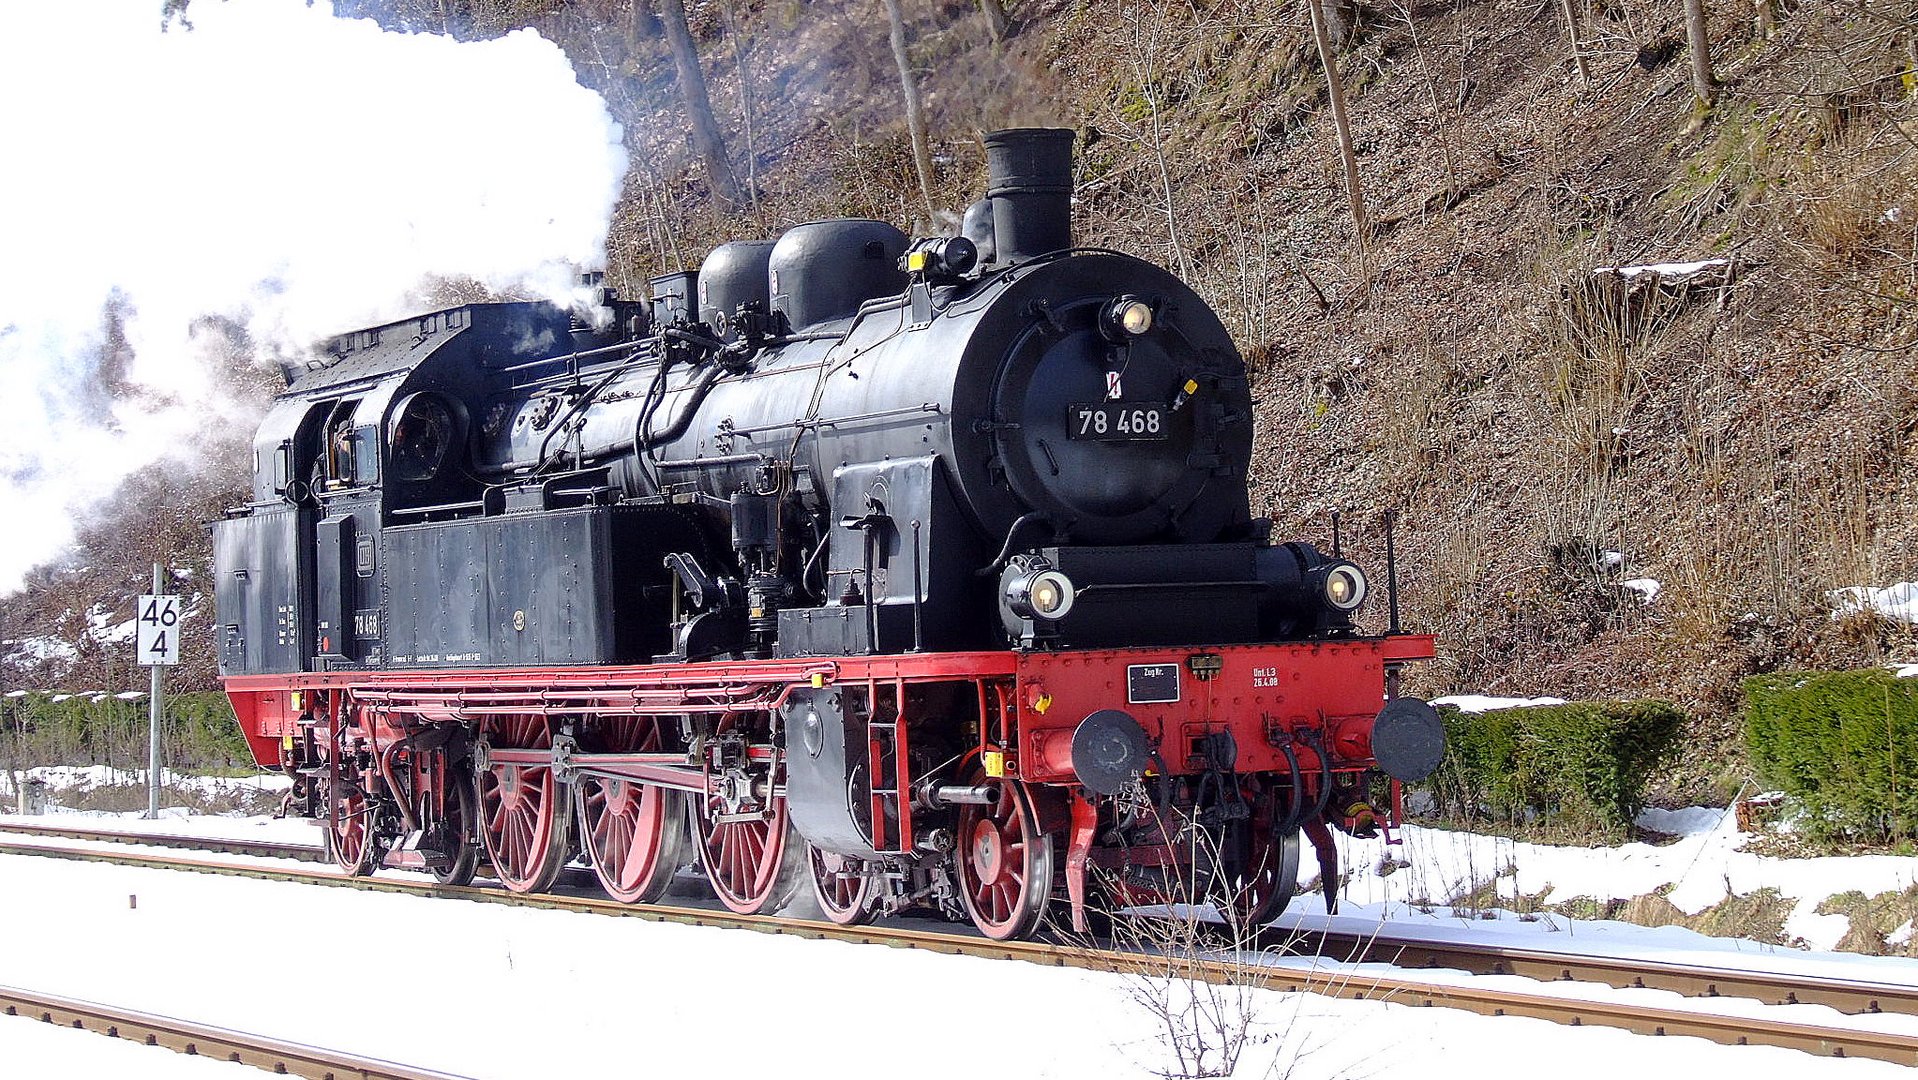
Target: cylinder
{"type": "Point", "coordinates": [1029, 182]}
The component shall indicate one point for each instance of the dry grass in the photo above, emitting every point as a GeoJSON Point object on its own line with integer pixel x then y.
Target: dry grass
{"type": "Point", "coordinates": [1874, 919]}
{"type": "Point", "coordinates": [1755, 916]}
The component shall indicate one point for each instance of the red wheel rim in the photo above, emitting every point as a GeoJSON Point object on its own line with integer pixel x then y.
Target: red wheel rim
{"type": "Point", "coordinates": [349, 835]}
{"type": "Point", "coordinates": [519, 811]}
{"type": "Point", "coordinates": [1005, 864]}
{"type": "Point", "coordinates": [630, 830]}
{"type": "Point", "coordinates": [744, 859]}
{"type": "Point", "coordinates": [842, 887]}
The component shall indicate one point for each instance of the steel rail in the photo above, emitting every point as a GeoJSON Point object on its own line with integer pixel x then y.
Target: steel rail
{"type": "Point", "coordinates": [1404, 989]}
{"type": "Point", "coordinates": [1852, 996]}
{"type": "Point", "coordinates": [313, 853]}
{"type": "Point", "coordinates": [204, 1040]}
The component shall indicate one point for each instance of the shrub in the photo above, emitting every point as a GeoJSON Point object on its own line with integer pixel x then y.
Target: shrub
{"type": "Point", "coordinates": [1843, 745]}
{"type": "Point", "coordinates": [197, 732]}
{"type": "Point", "coordinates": [1583, 763]}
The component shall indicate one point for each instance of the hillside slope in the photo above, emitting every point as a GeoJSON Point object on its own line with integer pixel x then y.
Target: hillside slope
{"type": "Point", "coordinates": [1547, 432]}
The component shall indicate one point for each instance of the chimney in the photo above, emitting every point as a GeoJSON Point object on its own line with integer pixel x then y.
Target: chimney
{"type": "Point", "coordinates": [1029, 187]}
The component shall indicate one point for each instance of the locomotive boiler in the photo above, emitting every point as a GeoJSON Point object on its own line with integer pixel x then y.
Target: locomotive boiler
{"type": "Point", "coordinates": [923, 571]}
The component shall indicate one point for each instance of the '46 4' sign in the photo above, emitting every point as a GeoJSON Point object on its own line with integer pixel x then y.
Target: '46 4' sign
{"type": "Point", "coordinates": [159, 630]}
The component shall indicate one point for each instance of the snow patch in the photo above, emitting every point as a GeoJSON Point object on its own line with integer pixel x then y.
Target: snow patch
{"type": "Point", "coordinates": [1478, 703]}
{"type": "Point", "coordinates": [40, 650]}
{"type": "Point", "coordinates": [1898, 601]}
{"type": "Point", "coordinates": [1646, 588]}
{"type": "Point", "coordinates": [1672, 273]}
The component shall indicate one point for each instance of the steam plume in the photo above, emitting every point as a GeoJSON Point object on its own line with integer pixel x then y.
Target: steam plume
{"type": "Point", "coordinates": [268, 173]}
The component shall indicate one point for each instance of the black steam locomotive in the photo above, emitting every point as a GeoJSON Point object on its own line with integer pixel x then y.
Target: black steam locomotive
{"type": "Point", "coordinates": [901, 562]}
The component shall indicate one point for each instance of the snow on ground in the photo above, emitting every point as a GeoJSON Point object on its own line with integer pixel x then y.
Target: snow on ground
{"type": "Point", "coordinates": [1704, 866]}
{"type": "Point", "coordinates": [71, 780]}
{"type": "Point", "coordinates": [608, 996]}
{"type": "Point", "coordinates": [632, 980]}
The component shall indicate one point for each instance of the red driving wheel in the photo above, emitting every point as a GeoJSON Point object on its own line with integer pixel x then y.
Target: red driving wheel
{"type": "Point", "coordinates": [522, 817]}
{"type": "Point", "coordinates": [750, 863]}
{"type": "Point", "coordinates": [1004, 863]}
{"type": "Point", "coordinates": [635, 834]}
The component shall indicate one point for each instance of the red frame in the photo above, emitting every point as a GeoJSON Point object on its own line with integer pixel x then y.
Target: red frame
{"type": "Point", "coordinates": [1030, 703]}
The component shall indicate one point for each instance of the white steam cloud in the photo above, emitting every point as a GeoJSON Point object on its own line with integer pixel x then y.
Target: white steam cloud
{"type": "Point", "coordinates": [272, 166]}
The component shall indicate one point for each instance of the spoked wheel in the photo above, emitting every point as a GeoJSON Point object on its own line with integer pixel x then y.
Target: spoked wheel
{"type": "Point", "coordinates": [349, 832]}
{"type": "Point", "coordinates": [843, 887]}
{"type": "Point", "coordinates": [635, 834]}
{"type": "Point", "coordinates": [462, 816]}
{"type": "Point", "coordinates": [523, 817]}
{"type": "Point", "coordinates": [753, 865]}
{"type": "Point", "coordinates": [1005, 864]}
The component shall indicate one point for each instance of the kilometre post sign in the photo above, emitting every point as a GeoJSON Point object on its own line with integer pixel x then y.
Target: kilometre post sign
{"type": "Point", "coordinates": [159, 630]}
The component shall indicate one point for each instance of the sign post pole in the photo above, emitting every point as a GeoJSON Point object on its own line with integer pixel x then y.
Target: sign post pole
{"type": "Point", "coordinates": [153, 726]}
{"type": "Point", "coordinates": [157, 639]}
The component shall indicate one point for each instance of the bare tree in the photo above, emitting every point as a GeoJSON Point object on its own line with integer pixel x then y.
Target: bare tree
{"type": "Point", "coordinates": [997, 24]}
{"type": "Point", "coordinates": [1341, 123]}
{"type": "Point", "coordinates": [1704, 84]}
{"type": "Point", "coordinates": [745, 104]}
{"type": "Point", "coordinates": [1578, 50]}
{"type": "Point", "coordinates": [1149, 29]}
{"type": "Point", "coordinates": [699, 107]}
{"type": "Point", "coordinates": [915, 109]}
{"type": "Point", "coordinates": [1341, 19]}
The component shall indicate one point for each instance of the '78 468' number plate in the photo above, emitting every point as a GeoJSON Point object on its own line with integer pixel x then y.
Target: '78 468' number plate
{"type": "Point", "coordinates": [1117, 421]}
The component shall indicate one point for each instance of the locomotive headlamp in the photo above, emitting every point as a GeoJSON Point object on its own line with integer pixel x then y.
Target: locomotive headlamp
{"type": "Point", "coordinates": [1342, 585]}
{"type": "Point", "coordinates": [1047, 594]}
{"type": "Point", "coordinates": [1125, 317]}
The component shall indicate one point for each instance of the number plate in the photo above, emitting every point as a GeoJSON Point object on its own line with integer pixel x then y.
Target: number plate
{"type": "Point", "coordinates": [1118, 421]}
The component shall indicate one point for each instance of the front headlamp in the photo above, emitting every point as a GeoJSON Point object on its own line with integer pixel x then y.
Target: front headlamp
{"type": "Point", "coordinates": [1342, 586]}
{"type": "Point", "coordinates": [1124, 318]}
{"type": "Point", "coordinates": [1047, 595]}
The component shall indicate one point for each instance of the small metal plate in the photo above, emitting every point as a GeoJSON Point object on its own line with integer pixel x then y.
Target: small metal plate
{"type": "Point", "coordinates": [1118, 421]}
{"type": "Point", "coordinates": [1151, 684]}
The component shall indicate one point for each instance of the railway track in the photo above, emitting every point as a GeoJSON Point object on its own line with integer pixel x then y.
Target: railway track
{"type": "Point", "coordinates": [203, 1040]}
{"type": "Point", "coordinates": [1403, 984]}
{"type": "Point", "coordinates": [258, 849]}
{"type": "Point", "coordinates": [1857, 997]}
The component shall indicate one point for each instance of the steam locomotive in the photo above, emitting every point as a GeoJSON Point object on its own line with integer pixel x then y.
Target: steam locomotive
{"type": "Point", "coordinates": [921, 573]}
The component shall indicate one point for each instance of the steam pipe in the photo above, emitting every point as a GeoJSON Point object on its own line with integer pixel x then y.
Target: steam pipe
{"type": "Point", "coordinates": [1311, 739]}
{"type": "Point", "coordinates": [1295, 794]}
{"type": "Point", "coordinates": [393, 785]}
{"type": "Point", "coordinates": [1005, 550]}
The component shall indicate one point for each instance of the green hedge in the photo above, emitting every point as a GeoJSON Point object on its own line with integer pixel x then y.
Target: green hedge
{"type": "Point", "coordinates": [198, 731]}
{"type": "Point", "coordinates": [1583, 763]}
{"type": "Point", "coordinates": [1843, 745]}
